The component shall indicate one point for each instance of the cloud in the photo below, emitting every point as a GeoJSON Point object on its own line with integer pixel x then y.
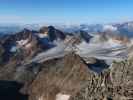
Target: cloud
{"type": "Point", "coordinates": [11, 19]}
{"type": "Point", "coordinates": [110, 28]}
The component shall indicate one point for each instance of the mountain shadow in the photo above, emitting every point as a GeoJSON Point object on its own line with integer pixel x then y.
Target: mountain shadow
{"type": "Point", "coordinates": [9, 90]}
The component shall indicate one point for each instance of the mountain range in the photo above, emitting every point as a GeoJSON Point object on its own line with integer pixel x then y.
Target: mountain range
{"type": "Point", "coordinates": [45, 63]}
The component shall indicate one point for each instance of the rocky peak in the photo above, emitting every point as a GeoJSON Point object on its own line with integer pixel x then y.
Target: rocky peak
{"type": "Point", "coordinates": [43, 29]}
{"type": "Point", "coordinates": [85, 36]}
{"type": "Point", "coordinates": [52, 33]}
{"type": "Point", "coordinates": [24, 34]}
{"type": "Point", "coordinates": [23, 43]}
{"type": "Point", "coordinates": [121, 39]}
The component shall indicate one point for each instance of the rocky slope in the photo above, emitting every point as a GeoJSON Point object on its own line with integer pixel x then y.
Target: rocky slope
{"type": "Point", "coordinates": [80, 82]}
{"type": "Point", "coordinates": [65, 77]}
{"type": "Point", "coordinates": [114, 83]}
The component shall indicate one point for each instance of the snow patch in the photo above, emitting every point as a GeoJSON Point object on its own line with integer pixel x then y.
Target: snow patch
{"type": "Point", "coordinates": [28, 45]}
{"type": "Point", "coordinates": [61, 96]}
{"type": "Point", "coordinates": [40, 98]}
{"type": "Point", "coordinates": [14, 49]}
{"type": "Point", "coordinates": [114, 43]}
{"type": "Point", "coordinates": [54, 52]}
{"type": "Point", "coordinates": [40, 35]}
{"type": "Point", "coordinates": [22, 42]}
{"type": "Point", "coordinates": [109, 50]}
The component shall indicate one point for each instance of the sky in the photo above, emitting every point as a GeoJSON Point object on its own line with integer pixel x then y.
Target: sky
{"type": "Point", "coordinates": [65, 11]}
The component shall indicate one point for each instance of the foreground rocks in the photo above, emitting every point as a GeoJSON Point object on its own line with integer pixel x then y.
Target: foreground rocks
{"type": "Point", "coordinates": [70, 78]}
{"type": "Point", "coordinates": [115, 83]}
{"type": "Point", "coordinates": [121, 76]}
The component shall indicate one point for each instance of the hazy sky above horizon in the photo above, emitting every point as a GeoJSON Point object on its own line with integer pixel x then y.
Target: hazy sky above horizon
{"type": "Point", "coordinates": [65, 11]}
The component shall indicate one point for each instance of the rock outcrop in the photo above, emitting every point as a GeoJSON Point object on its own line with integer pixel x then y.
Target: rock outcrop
{"type": "Point", "coordinates": [52, 33]}
{"type": "Point", "coordinates": [115, 83]}
{"type": "Point", "coordinates": [65, 76]}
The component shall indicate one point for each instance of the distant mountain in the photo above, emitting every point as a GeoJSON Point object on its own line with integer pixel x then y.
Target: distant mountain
{"type": "Point", "coordinates": [9, 29]}
{"type": "Point", "coordinates": [86, 40]}
{"type": "Point", "coordinates": [14, 28]}
{"type": "Point", "coordinates": [125, 28]}
{"type": "Point", "coordinates": [26, 43]}
{"type": "Point", "coordinates": [83, 27]}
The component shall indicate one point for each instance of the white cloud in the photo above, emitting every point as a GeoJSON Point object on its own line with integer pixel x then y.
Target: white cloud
{"type": "Point", "coordinates": [11, 19]}
{"type": "Point", "coordinates": [110, 28]}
